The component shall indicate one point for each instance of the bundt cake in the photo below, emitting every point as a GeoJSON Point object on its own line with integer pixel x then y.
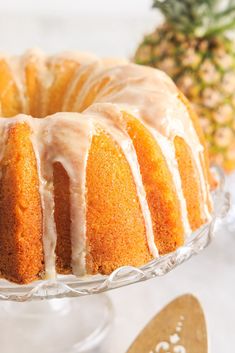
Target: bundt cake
{"type": "Point", "coordinates": [102, 165]}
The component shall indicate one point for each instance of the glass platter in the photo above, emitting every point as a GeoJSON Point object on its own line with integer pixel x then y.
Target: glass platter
{"type": "Point", "coordinates": [71, 286]}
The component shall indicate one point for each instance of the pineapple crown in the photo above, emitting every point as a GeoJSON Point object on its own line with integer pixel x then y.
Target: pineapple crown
{"type": "Point", "coordinates": [201, 18]}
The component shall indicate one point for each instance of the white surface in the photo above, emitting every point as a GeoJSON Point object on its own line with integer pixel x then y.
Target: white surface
{"type": "Point", "coordinates": [114, 28]}
{"type": "Point", "coordinates": [210, 276]}
{"type": "Point", "coordinates": [104, 36]}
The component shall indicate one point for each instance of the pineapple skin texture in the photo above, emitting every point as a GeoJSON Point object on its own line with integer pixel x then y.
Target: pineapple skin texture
{"type": "Point", "coordinates": [204, 70]}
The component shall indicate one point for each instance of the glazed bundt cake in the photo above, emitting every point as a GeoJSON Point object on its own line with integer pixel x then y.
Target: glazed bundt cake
{"type": "Point", "coordinates": [116, 175]}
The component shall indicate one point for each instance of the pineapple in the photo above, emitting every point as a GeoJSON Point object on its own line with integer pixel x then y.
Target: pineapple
{"type": "Point", "coordinates": [193, 47]}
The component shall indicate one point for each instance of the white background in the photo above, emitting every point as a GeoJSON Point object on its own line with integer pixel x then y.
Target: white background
{"type": "Point", "coordinates": [106, 27]}
{"type": "Point", "coordinates": [113, 28]}
{"type": "Point", "coordinates": [79, 6]}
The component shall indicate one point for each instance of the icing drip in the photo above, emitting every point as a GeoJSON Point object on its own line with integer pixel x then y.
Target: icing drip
{"type": "Point", "coordinates": [63, 138]}
{"type": "Point", "coordinates": [69, 144]}
{"type": "Point", "coordinates": [16, 65]}
{"type": "Point", "coordinates": [96, 70]}
{"type": "Point", "coordinates": [79, 81]}
{"type": "Point", "coordinates": [3, 140]}
{"type": "Point", "coordinates": [45, 174]}
{"type": "Point", "coordinates": [168, 150]}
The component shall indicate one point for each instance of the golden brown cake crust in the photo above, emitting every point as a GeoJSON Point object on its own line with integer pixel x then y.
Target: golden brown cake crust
{"type": "Point", "coordinates": [63, 71]}
{"type": "Point", "coordinates": [62, 219]}
{"type": "Point", "coordinates": [9, 93]}
{"type": "Point", "coordinates": [21, 254]}
{"type": "Point", "coordinates": [115, 227]}
{"type": "Point", "coordinates": [161, 193]}
{"type": "Point", "coordinates": [190, 184]}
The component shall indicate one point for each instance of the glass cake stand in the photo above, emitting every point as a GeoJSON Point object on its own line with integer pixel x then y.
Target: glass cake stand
{"type": "Point", "coordinates": [66, 325]}
{"type": "Point", "coordinates": [230, 187]}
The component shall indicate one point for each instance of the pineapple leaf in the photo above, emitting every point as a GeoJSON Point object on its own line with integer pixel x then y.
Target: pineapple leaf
{"type": "Point", "coordinates": [225, 13]}
{"type": "Point", "coordinates": [221, 29]}
{"type": "Point", "coordinates": [200, 18]}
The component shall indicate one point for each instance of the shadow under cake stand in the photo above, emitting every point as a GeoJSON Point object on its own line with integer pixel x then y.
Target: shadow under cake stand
{"type": "Point", "coordinates": [67, 325]}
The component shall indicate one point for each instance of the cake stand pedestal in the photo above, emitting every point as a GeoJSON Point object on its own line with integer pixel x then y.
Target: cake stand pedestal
{"type": "Point", "coordinates": [63, 324]}
{"type": "Point", "coordinates": [56, 325]}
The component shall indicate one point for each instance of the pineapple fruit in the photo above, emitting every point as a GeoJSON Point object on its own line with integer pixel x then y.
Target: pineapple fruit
{"type": "Point", "coordinates": [193, 47]}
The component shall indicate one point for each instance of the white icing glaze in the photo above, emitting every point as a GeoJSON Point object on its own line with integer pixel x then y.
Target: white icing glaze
{"type": "Point", "coordinates": [147, 94]}
{"type": "Point", "coordinates": [168, 150]}
{"type": "Point", "coordinates": [3, 140]}
{"type": "Point", "coordinates": [95, 77]}
{"type": "Point", "coordinates": [84, 71]}
{"type": "Point", "coordinates": [69, 143]}
{"type": "Point", "coordinates": [15, 64]}
{"type": "Point", "coordinates": [45, 174]}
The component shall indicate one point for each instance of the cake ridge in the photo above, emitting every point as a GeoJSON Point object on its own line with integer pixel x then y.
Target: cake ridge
{"type": "Point", "coordinates": [109, 117]}
{"type": "Point", "coordinates": [72, 153]}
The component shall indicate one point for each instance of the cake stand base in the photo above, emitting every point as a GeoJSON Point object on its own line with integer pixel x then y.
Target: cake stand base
{"type": "Point", "coordinates": [55, 326]}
